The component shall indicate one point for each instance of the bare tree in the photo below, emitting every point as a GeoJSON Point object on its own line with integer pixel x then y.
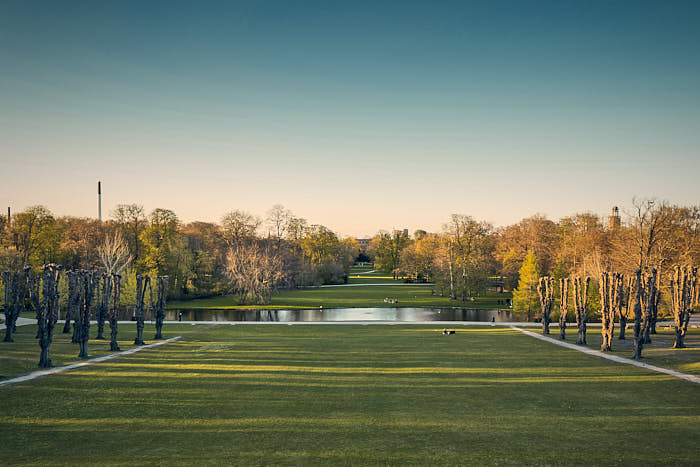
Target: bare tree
{"type": "Point", "coordinates": [254, 270]}
{"type": "Point", "coordinates": [627, 304]}
{"type": "Point", "coordinates": [88, 284]}
{"type": "Point", "coordinates": [639, 322]}
{"type": "Point", "coordinates": [114, 254]}
{"type": "Point", "coordinates": [142, 283]}
{"type": "Point", "coordinates": [545, 289]}
{"type": "Point", "coordinates": [114, 310]}
{"type": "Point", "coordinates": [15, 291]}
{"type": "Point", "coordinates": [610, 301]}
{"type": "Point", "coordinates": [581, 304]}
{"type": "Point", "coordinates": [48, 315]}
{"type": "Point", "coordinates": [563, 306]}
{"type": "Point", "coordinates": [651, 300]}
{"type": "Point", "coordinates": [104, 293]}
{"type": "Point", "coordinates": [131, 218]}
{"type": "Point", "coordinates": [159, 305]}
{"type": "Point", "coordinates": [74, 303]}
{"type": "Point", "coordinates": [277, 220]}
{"type": "Point", "coordinates": [684, 285]}
{"type": "Point", "coordinates": [239, 226]}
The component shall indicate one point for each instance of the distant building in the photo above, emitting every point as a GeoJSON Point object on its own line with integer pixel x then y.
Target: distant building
{"type": "Point", "coordinates": [615, 218]}
{"type": "Point", "coordinates": [364, 243]}
{"type": "Point", "coordinates": [405, 232]}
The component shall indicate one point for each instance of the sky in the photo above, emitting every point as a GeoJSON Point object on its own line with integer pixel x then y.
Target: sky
{"type": "Point", "coordinates": [356, 115]}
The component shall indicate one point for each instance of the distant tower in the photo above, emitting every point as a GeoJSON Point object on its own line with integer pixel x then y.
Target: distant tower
{"type": "Point", "coordinates": [99, 201]}
{"type": "Point", "coordinates": [405, 232]}
{"type": "Point", "coordinates": [8, 217]}
{"type": "Point", "coordinates": [615, 218]}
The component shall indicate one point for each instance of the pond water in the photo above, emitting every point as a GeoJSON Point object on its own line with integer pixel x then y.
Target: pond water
{"type": "Point", "coordinates": [346, 314]}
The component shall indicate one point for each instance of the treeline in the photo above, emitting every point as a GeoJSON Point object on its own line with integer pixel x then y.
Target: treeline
{"type": "Point", "coordinates": [468, 256]}
{"type": "Point", "coordinates": [252, 256]}
{"type": "Point", "coordinates": [200, 258]}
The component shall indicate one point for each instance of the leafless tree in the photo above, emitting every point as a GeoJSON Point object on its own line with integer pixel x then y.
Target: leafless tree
{"type": "Point", "coordinates": [254, 270]}
{"type": "Point", "coordinates": [116, 289]}
{"type": "Point", "coordinates": [114, 254]}
{"type": "Point", "coordinates": [627, 305]}
{"type": "Point", "coordinates": [15, 292]}
{"type": "Point", "coordinates": [610, 304]}
{"type": "Point", "coordinates": [239, 226]}
{"type": "Point", "coordinates": [131, 219]}
{"type": "Point", "coordinates": [684, 285]}
{"type": "Point", "coordinates": [563, 306]}
{"type": "Point", "coordinates": [277, 220]}
{"type": "Point", "coordinates": [581, 304]}
{"type": "Point", "coordinates": [545, 289]}
{"type": "Point", "coordinates": [159, 305]}
{"type": "Point", "coordinates": [644, 296]}
{"type": "Point", "coordinates": [142, 283]}
{"type": "Point", "coordinates": [48, 316]}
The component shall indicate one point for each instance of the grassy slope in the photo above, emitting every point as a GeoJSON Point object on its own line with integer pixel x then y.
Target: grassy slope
{"type": "Point", "coordinates": [352, 395]}
{"type": "Point", "coordinates": [329, 297]}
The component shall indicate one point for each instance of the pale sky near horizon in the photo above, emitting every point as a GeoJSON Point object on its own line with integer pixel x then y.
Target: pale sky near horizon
{"type": "Point", "coordinates": [356, 115]}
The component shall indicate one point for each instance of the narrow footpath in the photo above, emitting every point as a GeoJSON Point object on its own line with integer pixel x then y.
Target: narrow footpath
{"type": "Point", "coordinates": [72, 366]}
{"type": "Point", "coordinates": [614, 358]}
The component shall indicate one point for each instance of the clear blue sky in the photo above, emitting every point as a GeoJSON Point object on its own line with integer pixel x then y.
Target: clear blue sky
{"type": "Point", "coordinates": [356, 115]}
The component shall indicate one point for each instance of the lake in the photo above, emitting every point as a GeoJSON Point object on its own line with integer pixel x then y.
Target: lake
{"type": "Point", "coordinates": [346, 314]}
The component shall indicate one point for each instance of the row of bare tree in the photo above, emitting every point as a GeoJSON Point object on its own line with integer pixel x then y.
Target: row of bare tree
{"type": "Point", "coordinates": [89, 293]}
{"type": "Point", "coordinates": [637, 297]}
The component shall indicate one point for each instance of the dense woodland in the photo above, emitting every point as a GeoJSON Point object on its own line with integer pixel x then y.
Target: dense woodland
{"type": "Point", "coordinates": [252, 256]}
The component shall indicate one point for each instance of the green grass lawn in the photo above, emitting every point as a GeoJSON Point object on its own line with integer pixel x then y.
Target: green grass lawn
{"type": "Point", "coordinates": [22, 355]}
{"type": "Point", "coordinates": [408, 295]}
{"type": "Point", "coordinates": [349, 395]}
{"type": "Point", "coordinates": [658, 353]}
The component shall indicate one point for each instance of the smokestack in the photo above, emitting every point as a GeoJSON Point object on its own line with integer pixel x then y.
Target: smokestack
{"type": "Point", "coordinates": [8, 216]}
{"type": "Point", "coordinates": [99, 201]}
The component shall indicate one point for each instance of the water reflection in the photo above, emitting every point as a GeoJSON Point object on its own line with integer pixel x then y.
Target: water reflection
{"type": "Point", "coordinates": [346, 314]}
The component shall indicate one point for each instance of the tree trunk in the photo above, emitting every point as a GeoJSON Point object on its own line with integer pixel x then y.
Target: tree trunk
{"type": "Point", "coordinates": [88, 283]}
{"type": "Point", "coordinates": [638, 333]}
{"type": "Point", "coordinates": [581, 303]}
{"type": "Point", "coordinates": [610, 301]}
{"type": "Point", "coordinates": [680, 336]}
{"type": "Point", "coordinates": [45, 342]}
{"type": "Point", "coordinates": [103, 305]}
{"type": "Point", "coordinates": [623, 327]}
{"type": "Point", "coordinates": [684, 288]}
{"type": "Point", "coordinates": [75, 339]}
{"type": "Point", "coordinates": [141, 283]}
{"type": "Point", "coordinates": [100, 325]}
{"type": "Point", "coordinates": [114, 310]}
{"type": "Point", "coordinates": [648, 300]}
{"type": "Point", "coordinates": [113, 337]}
{"type": "Point", "coordinates": [563, 305]}
{"type": "Point", "coordinates": [544, 290]}
{"type": "Point", "coordinates": [139, 333]}
{"type": "Point", "coordinates": [83, 349]}
{"type": "Point", "coordinates": [160, 305]}
{"type": "Point", "coordinates": [8, 331]}
{"type": "Point", "coordinates": [47, 308]}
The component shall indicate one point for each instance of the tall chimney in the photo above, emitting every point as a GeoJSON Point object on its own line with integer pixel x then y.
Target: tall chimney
{"type": "Point", "coordinates": [8, 216]}
{"type": "Point", "coordinates": [99, 201]}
